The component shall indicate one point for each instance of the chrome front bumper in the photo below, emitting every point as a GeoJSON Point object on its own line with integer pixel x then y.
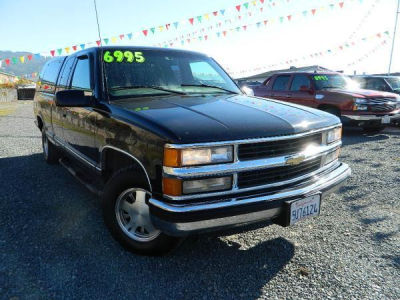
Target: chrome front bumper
{"type": "Point", "coordinates": [183, 219]}
{"type": "Point", "coordinates": [370, 117]}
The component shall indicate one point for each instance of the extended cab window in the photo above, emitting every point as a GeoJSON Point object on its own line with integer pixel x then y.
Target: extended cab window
{"type": "Point", "coordinates": [81, 78]}
{"type": "Point", "coordinates": [50, 74]}
{"type": "Point", "coordinates": [65, 72]}
{"type": "Point", "coordinates": [300, 81]}
{"type": "Point", "coordinates": [281, 83]}
{"type": "Point", "coordinates": [137, 72]}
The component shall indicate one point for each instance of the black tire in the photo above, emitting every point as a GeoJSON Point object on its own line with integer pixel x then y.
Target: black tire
{"type": "Point", "coordinates": [122, 181]}
{"type": "Point", "coordinates": [50, 152]}
{"type": "Point", "coordinates": [373, 129]}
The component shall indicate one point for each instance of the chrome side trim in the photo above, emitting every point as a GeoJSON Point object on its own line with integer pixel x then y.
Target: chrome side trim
{"type": "Point", "coordinates": [83, 158]}
{"type": "Point", "coordinates": [235, 189]}
{"type": "Point", "coordinates": [102, 157]}
{"type": "Point", "coordinates": [248, 141]}
{"type": "Point", "coordinates": [240, 166]}
{"type": "Point", "coordinates": [328, 181]}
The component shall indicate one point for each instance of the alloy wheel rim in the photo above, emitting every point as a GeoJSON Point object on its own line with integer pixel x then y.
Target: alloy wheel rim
{"type": "Point", "coordinates": [133, 215]}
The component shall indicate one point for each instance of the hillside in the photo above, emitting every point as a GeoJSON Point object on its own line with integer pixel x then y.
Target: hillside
{"type": "Point", "coordinates": [19, 68]}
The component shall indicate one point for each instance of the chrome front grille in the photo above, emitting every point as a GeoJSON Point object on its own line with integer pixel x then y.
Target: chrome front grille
{"type": "Point", "coordinates": [277, 174]}
{"type": "Point", "coordinates": [277, 148]}
{"type": "Point", "coordinates": [382, 104]}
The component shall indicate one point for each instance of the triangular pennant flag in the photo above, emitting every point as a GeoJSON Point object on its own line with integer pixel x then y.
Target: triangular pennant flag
{"type": "Point", "coordinates": [37, 55]}
{"type": "Point", "coordinates": [313, 11]}
{"type": "Point", "coordinates": [161, 28]}
{"type": "Point", "coordinates": [207, 17]}
{"type": "Point", "coordinates": [167, 26]}
{"type": "Point", "coordinates": [67, 49]}
{"type": "Point", "coordinates": [129, 35]}
{"type": "Point", "coordinates": [262, 1]}
{"type": "Point", "coordinates": [378, 35]}
{"type": "Point", "coordinates": [238, 7]}
{"type": "Point", "coordinates": [199, 19]}
{"type": "Point", "coordinates": [82, 46]}
{"type": "Point", "coordinates": [14, 60]}
{"type": "Point", "coordinates": [153, 30]}
{"type": "Point", "coordinates": [244, 27]}
{"type": "Point", "coordinates": [289, 17]}
{"type": "Point", "coordinates": [258, 24]}
{"type": "Point", "coordinates": [222, 11]}
{"type": "Point", "coordinates": [206, 37]}
{"type": "Point", "coordinates": [341, 4]}
{"type": "Point", "coordinates": [386, 32]}
{"type": "Point", "coordinates": [265, 22]}
{"type": "Point", "coordinates": [59, 51]}
{"type": "Point", "coordinates": [281, 19]}
{"type": "Point", "coordinates": [113, 39]}
{"type": "Point", "coordinates": [74, 47]}
{"type": "Point", "coordinates": [246, 5]}
{"type": "Point", "coordinates": [22, 59]}
{"type": "Point", "coordinates": [218, 34]}
{"type": "Point", "coordinates": [7, 60]}
{"type": "Point", "coordinates": [254, 2]}
{"type": "Point", "coordinates": [30, 56]}
{"type": "Point", "coordinates": [191, 20]}
{"type": "Point", "coordinates": [145, 32]}
{"type": "Point", "coordinates": [106, 40]}
{"type": "Point", "coordinates": [176, 24]}
{"type": "Point", "coordinates": [121, 36]}
{"type": "Point", "coordinates": [52, 52]}
{"type": "Point", "coordinates": [261, 9]}
{"type": "Point", "coordinates": [237, 28]}
{"type": "Point", "coordinates": [215, 13]}
{"type": "Point", "coordinates": [224, 33]}
{"type": "Point", "coordinates": [305, 13]}
{"type": "Point", "coordinates": [98, 43]}
{"type": "Point", "coordinates": [332, 6]}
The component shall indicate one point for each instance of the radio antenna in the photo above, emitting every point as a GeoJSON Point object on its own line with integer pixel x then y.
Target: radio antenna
{"type": "Point", "coordinates": [394, 35]}
{"type": "Point", "coordinates": [97, 20]}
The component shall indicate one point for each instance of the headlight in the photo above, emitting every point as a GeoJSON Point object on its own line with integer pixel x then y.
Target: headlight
{"type": "Point", "coordinates": [177, 187]}
{"type": "Point", "coordinates": [360, 107]}
{"type": "Point", "coordinates": [360, 101]}
{"type": "Point", "coordinates": [334, 135]}
{"type": "Point", "coordinates": [197, 156]}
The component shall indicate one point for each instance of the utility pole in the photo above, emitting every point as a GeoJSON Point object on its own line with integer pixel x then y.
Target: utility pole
{"type": "Point", "coordinates": [98, 25]}
{"type": "Point", "coordinates": [394, 35]}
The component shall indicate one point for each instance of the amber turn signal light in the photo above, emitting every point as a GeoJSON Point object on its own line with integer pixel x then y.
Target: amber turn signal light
{"type": "Point", "coordinates": [172, 157]}
{"type": "Point", "coordinates": [172, 186]}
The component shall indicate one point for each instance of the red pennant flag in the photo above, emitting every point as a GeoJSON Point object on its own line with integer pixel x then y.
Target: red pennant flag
{"type": "Point", "coordinates": [52, 52]}
{"type": "Point", "coordinates": [313, 11]}
{"type": "Point", "coordinates": [289, 17]}
{"type": "Point", "coordinates": [261, 9]}
{"type": "Point", "coordinates": [74, 47]}
{"type": "Point", "coordinates": [7, 61]}
{"type": "Point", "coordinates": [167, 26]}
{"type": "Point", "coordinates": [145, 32]}
{"type": "Point", "coordinates": [341, 47]}
{"type": "Point", "coordinates": [239, 17]}
{"type": "Point", "coordinates": [188, 40]}
{"type": "Point", "coordinates": [206, 37]}
{"type": "Point", "coordinates": [238, 7]}
{"type": "Point", "coordinates": [215, 13]}
{"type": "Point", "coordinates": [262, 1]}
{"type": "Point", "coordinates": [378, 35]}
{"type": "Point", "coordinates": [224, 32]}
{"type": "Point", "coordinates": [121, 36]}
{"type": "Point", "coordinates": [98, 43]}
{"type": "Point", "coordinates": [245, 27]}
{"type": "Point", "coordinates": [191, 20]}
{"type": "Point", "coordinates": [265, 22]}
{"type": "Point", "coordinates": [30, 56]}
{"type": "Point", "coordinates": [341, 4]}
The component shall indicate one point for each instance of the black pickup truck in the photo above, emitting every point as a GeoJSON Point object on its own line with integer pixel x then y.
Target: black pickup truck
{"type": "Point", "coordinates": [173, 147]}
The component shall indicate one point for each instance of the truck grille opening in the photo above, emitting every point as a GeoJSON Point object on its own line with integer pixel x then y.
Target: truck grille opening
{"type": "Point", "coordinates": [382, 104]}
{"type": "Point", "coordinates": [253, 151]}
{"type": "Point", "coordinates": [277, 174]}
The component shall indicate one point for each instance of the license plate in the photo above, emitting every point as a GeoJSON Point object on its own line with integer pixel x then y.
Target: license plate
{"type": "Point", "coordinates": [304, 208]}
{"type": "Point", "coordinates": [386, 120]}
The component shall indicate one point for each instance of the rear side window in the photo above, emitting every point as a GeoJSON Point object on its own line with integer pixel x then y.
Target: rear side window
{"type": "Point", "coordinates": [65, 72]}
{"type": "Point", "coordinates": [81, 77]}
{"type": "Point", "coordinates": [299, 81]}
{"type": "Point", "coordinates": [281, 83]}
{"type": "Point", "coordinates": [49, 75]}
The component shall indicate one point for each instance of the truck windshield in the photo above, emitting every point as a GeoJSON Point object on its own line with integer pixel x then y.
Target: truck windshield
{"type": "Point", "coordinates": [131, 72]}
{"type": "Point", "coordinates": [394, 82]}
{"type": "Point", "coordinates": [333, 81]}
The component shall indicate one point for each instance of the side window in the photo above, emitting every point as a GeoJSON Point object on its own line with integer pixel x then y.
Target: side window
{"type": "Point", "coordinates": [281, 83]}
{"type": "Point", "coordinates": [376, 84]}
{"type": "Point", "coordinates": [65, 72]}
{"type": "Point", "coordinates": [81, 77]}
{"type": "Point", "coordinates": [49, 75]}
{"type": "Point", "coordinates": [299, 81]}
{"type": "Point", "coordinates": [267, 82]}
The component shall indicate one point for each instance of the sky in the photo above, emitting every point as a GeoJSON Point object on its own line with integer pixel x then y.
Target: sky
{"type": "Point", "coordinates": [44, 25]}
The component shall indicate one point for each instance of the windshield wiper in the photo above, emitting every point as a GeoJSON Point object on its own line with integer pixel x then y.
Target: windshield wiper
{"type": "Point", "coordinates": [209, 86]}
{"type": "Point", "coordinates": [158, 88]}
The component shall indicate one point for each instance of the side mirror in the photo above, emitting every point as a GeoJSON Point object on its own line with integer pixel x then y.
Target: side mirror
{"type": "Point", "coordinates": [307, 89]}
{"type": "Point", "coordinates": [248, 91]}
{"type": "Point", "coordinates": [73, 98]}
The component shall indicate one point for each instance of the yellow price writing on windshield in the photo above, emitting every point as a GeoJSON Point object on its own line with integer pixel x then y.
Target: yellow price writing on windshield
{"type": "Point", "coordinates": [123, 56]}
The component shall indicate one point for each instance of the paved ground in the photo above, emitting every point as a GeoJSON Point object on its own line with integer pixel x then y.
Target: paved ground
{"type": "Point", "coordinates": [54, 245]}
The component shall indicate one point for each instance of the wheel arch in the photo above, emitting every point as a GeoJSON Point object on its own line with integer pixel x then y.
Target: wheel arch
{"type": "Point", "coordinates": [114, 159]}
{"type": "Point", "coordinates": [39, 122]}
{"type": "Point", "coordinates": [327, 107]}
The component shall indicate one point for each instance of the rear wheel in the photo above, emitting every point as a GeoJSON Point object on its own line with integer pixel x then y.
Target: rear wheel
{"type": "Point", "coordinates": [126, 214]}
{"type": "Point", "coordinates": [50, 151]}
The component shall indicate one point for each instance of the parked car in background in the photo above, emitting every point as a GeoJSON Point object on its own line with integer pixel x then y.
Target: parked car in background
{"type": "Point", "coordinates": [336, 94]}
{"type": "Point", "coordinates": [174, 147]}
{"type": "Point", "coordinates": [379, 83]}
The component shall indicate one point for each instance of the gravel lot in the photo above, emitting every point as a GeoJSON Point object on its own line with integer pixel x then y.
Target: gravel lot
{"type": "Point", "coordinates": [54, 245]}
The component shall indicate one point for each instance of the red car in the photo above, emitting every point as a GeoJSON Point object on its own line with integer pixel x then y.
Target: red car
{"type": "Point", "coordinates": [336, 94]}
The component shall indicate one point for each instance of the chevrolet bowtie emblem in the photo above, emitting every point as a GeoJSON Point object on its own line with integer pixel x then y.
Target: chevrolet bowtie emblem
{"type": "Point", "coordinates": [295, 160]}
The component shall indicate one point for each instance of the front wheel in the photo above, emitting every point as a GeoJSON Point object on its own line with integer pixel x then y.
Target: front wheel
{"type": "Point", "coordinates": [126, 214]}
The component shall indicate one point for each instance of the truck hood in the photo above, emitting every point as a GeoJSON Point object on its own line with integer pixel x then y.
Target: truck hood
{"type": "Point", "coordinates": [207, 118]}
{"type": "Point", "coordinates": [359, 93]}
